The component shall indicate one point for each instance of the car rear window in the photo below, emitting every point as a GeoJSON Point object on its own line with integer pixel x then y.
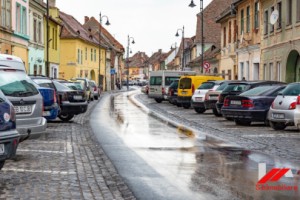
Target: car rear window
{"type": "Point", "coordinates": [60, 87]}
{"type": "Point", "coordinates": [185, 83]}
{"type": "Point", "coordinates": [92, 84]}
{"type": "Point", "coordinates": [236, 88]}
{"type": "Point", "coordinates": [155, 80]}
{"type": "Point", "coordinates": [257, 91]}
{"type": "Point", "coordinates": [16, 83]}
{"type": "Point", "coordinates": [291, 90]}
{"type": "Point", "coordinates": [206, 86]}
{"type": "Point", "coordinates": [44, 83]}
{"type": "Point", "coordinates": [169, 80]}
{"type": "Point", "coordinates": [174, 84]}
{"type": "Point", "coordinates": [222, 86]}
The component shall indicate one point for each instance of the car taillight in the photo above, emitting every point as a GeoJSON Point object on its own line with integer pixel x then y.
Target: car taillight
{"type": "Point", "coordinates": [298, 100]}
{"type": "Point", "coordinates": [12, 114]}
{"type": "Point", "coordinates": [206, 97]}
{"type": "Point", "coordinates": [95, 88]}
{"type": "Point", "coordinates": [292, 106]}
{"type": "Point", "coordinates": [247, 103]}
{"type": "Point", "coordinates": [163, 90]}
{"type": "Point", "coordinates": [272, 105]}
{"type": "Point", "coordinates": [193, 88]}
{"type": "Point", "coordinates": [226, 102]}
{"type": "Point", "coordinates": [54, 98]}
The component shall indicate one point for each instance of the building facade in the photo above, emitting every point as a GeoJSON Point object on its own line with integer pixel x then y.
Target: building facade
{"type": "Point", "coordinates": [6, 31]}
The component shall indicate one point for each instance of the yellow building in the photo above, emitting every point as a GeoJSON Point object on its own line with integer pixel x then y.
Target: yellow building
{"type": "Point", "coordinates": [79, 55]}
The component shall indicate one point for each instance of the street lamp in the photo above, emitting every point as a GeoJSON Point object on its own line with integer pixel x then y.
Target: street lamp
{"type": "Point", "coordinates": [127, 60]}
{"type": "Point", "coordinates": [177, 34]}
{"type": "Point", "coordinates": [107, 23]}
{"type": "Point", "coordinates": [202, 32]}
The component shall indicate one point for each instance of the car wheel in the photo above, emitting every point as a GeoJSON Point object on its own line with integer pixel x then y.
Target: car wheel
{"type": "Point", "coordinates": [199, 110]}
{"type": "Point", "coordinates": [215, 111]}
{"type": "Point", "coordinates": [186, 105]}
{"type": "Point", "coordinates": [96, 97]}
{"type": "Point", "coordinates": [229, 118]}
{"type": "Point", "coordinates": [178, 104]}
{"type": "Point", "coordinates": [267, 122]}
{"type": "Point", "coordinates": [2, 164]}
{"type": "Point", "coordinates": [242, 122]}
{"type": "Point", "coordinates": [277, 125]}
{"type": "Point", "coordinates": [158, 100]}
{"type": "Point", "coordinates": [66, 117]}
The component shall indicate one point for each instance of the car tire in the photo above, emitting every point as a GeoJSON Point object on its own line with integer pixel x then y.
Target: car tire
{"type": "Point", "coordinates": [277, 125]}
{"type": "Point", "coordinates": [215, 111]}
{"type": "Point", "coordinates": [186, 105]}
{"type": "Point", "coordinates": [96, 97]}
{"type": "Point", "coordinates": [199, 110]}
{"type": "Point", "coordinates": [2, 164]}
{"type": "Point", "coordinates": [229, 118]}
{"type": "Point", "coordinates": [242, 122]}
{"type": "Point", "coordinates": [66, 117]}
{"type": "Point", "coordinates": [158, 100]}
{"type": "Point", "coordinates": [178, 104]}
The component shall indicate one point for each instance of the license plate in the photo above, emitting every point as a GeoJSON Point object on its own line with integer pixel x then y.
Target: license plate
{"type": "Point", "coordinates": [76, 97]}
{"type": "Point", "coordinates": [22, 109]}
{"type": "Point", "coordinates": [183, 92]}
{"type": "Point", "coordinates": [46, 113]}
{"type": "Point", "coordinates": [198, 99]}
{"type": "Point", "coordinates": [213, 97]}
{"type": "Point", "coordinates": [278, 115]}
{"type": "Point", "coordinates": [2, 148]}
{"type": "Point", "coordinates": [233, 102]}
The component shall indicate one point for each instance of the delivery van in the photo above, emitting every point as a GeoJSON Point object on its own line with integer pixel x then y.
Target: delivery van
{"type": "Point", "coordinates": [160, 80]}
{"type": "Point", "coordinates": [188, 84]}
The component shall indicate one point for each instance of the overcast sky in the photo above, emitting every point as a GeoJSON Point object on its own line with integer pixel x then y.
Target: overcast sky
{"type": "Point", "coordinates": [152, 23]}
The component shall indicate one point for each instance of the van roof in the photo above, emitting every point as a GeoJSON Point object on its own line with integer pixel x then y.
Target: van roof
{"type": "Point", "coordinates": [11, 61]}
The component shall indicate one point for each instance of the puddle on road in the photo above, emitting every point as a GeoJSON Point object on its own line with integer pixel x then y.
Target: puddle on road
{"type": "Point", "coordinates": [197, 163]}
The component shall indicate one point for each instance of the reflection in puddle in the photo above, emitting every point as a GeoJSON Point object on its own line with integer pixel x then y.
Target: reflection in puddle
{"type": "Point", "coordinates": [195, 163]}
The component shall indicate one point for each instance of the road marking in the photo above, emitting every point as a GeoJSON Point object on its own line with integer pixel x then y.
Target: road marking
{"type": "Point", "coordinates": [38, 171]}
{"type": "Point", "coordinates": [43, 151]}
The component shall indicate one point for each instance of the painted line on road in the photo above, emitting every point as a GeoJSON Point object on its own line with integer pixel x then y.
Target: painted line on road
{"type": "Point", "coordinates": [43, 151]}
{"type": "Point", "coordinates": [39, 171]}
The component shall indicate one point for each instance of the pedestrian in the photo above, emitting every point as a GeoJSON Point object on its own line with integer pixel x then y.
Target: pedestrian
{"type": "Point", "coordinates": [118, 84]}
{"type": "Point", "coordinates": [243, 79]}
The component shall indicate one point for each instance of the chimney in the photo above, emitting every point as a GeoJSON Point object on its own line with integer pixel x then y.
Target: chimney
{"type": "Point", "coordinates": [86, 18]}
{"type": "Point", "coordinates": [159, 50]}
{"type": "Point", "coordinates": [52, 3]}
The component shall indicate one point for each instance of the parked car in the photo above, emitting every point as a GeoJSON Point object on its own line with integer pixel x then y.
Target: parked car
{"type": "Point", "coordinates": [172, 92]}
{"type": "Point", "coordinates": [197, 101]}
{"type": "Point", "coordinates": [252, 105]}
{"type": "Point", "coordinates": [86, 87]}
{"type": "Point", "coordinates": [211, 97]}
{"type": "Point", "coordinates": [297, 113]}
{"type": "Point", "coordinates": [72, 102]}
{"type": "Point", "coordinates": [9, 136]}
{"type": "Point", "coordinates": [25, 97]}
{"type": "Point", "coordinates": [187, 86]}
{"type": "Point", "coordinates": [237, 88]}
{"type": "Point", "coordinates": [69, 84]}
{"type": "Point", "coordinates": [282, 110]}
{"type": "Point", "coordinates": [95, 90]}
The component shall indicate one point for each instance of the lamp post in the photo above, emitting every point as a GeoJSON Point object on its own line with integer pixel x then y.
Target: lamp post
{"type": "Point", "coordinates": [47, 43]}
{"type": "Point", "coordinates": [107, 23]}
{"type": "Point", "coordinates": [177, 34]}
{"type": "Point", "coordinates": [127, 60]}
{"type": "Point", "coordinates": [202, 32]}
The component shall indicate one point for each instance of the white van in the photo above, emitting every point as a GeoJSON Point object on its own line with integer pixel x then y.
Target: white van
{"type": "Point", "coordinates": [160, 80]}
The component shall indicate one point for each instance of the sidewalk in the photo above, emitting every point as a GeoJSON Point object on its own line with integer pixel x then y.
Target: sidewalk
{"type": "Point", "coordinates": [65, 163]}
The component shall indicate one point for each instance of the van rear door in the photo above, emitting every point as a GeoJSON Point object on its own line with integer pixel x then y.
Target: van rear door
{"type": "Point", "coordinates": [155, 85]}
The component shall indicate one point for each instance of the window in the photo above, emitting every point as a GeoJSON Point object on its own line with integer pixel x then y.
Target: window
{"type": "Point", "coordinates": [39, 32]}
{"type": "Point", "coordinates": [279, 71]}
{"type": "Point", "coordinates": [5, 13]}
{"type": "Point", "coordinates": [242, 21]}
{"type": "Point", "coordinates": [241, 70]}
{"type": "Point", "coordinates": [266, 24]}
{"type": "Point", "coordinates": [91, 54]}
{"type": "Point", "coordinates": [229, 74]}
{"type": "Point", "coordinates": [279, 8]}
{"type": "Point", "coordinates": [298, 11]}
{"type": "Point", "coordinates": [272, 25]}
{"type": "Point", "coordinates": [248, 19]}
{"type": "Point", "coordinates": [271, 71]}
{"type": "Point", "coordinates": [52, 41]}
{"type": "Point", "coordinates": [78, 56]}
{"type": "Point", "coordinates": [235, 30]}
{"type": "Point", "coordinates": [95, 54]}
{"type": "Point", "coordinates": [86, 53]}
{"type": "Point", "coordinates": [224, 37]}
{"type": "Point", "coordinates": [24, 20]}
{"type": "Point", "coordinates": [34, 30]}
{"type": "Point", "coordinates": [265, 72]}
{"type": "Point", "coordinates": [81, 56]}
{"type": "Point", "coordinates": [289, 12]}
{"type": "Point", "coordinates": [18, 18]}
{"type": "Point", "coordinates": [229, 32]}
{"type": "Point", "coordinates": [256, 15]}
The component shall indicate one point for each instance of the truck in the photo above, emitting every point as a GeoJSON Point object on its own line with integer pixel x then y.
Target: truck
{"type": "Point", "coordinates": [160, 80]}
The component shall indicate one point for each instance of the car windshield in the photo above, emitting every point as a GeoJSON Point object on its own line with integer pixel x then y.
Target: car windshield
{"type": "Point", "coordinates": [222, 86]}
{"type": "Point", "coordinates": [44, 83]}
{"type": "Point", "coordinates": [257, 91]}
{"type": "Point", "coordinates": [291, 90]}
{"type": "Point", "coordinates": [16, 83]}
{"type": "Point", "coordinates": [79, 85]}
{"type": "Point", "coordinates": [92, 84]}
{"type": "Point", "coordinates": [236, 88]}
{"type": "Point", "coordinates": [206, 86]}
{"type": "Point", "coordinates": [73, 86]}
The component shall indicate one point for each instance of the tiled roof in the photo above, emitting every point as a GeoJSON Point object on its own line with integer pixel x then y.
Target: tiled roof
{"type": "Point", "coordinates": [211, 28]}
{"type": "Point", "coordinates": [94, 25]}
{"type": "Point", "coordinates": [73, 29]}
{"type": "Point", "coordinates": [138, 60]}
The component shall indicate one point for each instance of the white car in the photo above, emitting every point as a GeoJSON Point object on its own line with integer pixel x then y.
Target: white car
{"type": "Point", "coordinates": [197, 101]}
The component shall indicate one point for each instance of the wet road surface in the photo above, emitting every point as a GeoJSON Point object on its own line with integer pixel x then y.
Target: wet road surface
{"type": "Point", "coordinates": [159, 161]}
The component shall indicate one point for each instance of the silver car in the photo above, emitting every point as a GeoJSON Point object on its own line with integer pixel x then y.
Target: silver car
{"type": "Point", "coordinates": [25, 97]}
{"type": "Point", "coordinates": [281, 113]}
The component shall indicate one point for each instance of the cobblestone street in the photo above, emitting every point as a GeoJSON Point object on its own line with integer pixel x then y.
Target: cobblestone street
{"type": "Point", "coordinates": [65, 163]}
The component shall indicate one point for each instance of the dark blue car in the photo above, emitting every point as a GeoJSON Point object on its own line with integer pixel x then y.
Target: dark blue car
{"type": "Point", "coordinates": [51, 107]}
{"type": "Point", "coordinates": [252, 105]}
{"type": "Point", "coordinates": [9, 136]}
